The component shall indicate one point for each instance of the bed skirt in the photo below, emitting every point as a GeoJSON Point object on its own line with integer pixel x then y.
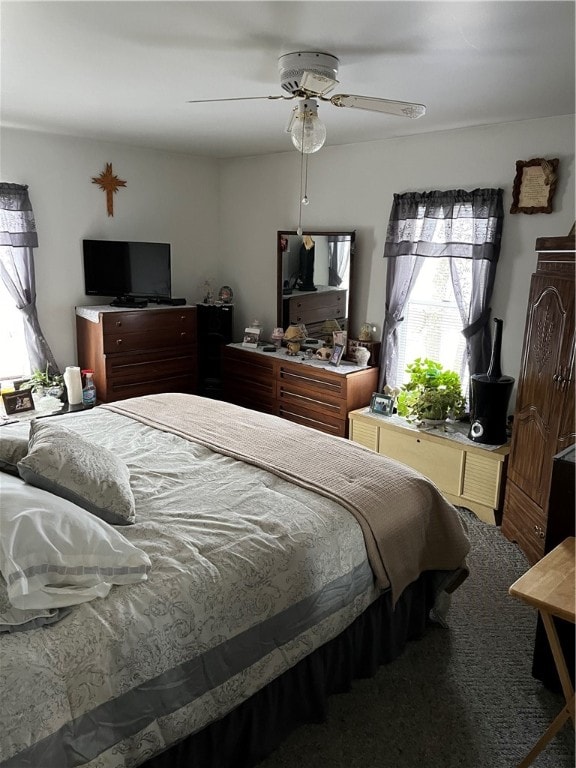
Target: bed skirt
{"type": "Point", "coordinates": [257, 727]}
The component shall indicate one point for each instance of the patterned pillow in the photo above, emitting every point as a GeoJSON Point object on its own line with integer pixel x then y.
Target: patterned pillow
{"type": "Point", "coordinates": [87, 474]}
{"type": "Point", "coordinates": [13, 447]}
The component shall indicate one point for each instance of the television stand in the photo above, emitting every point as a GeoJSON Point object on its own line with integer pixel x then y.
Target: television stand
{"type": "Point", "coordinates": [128, 301]}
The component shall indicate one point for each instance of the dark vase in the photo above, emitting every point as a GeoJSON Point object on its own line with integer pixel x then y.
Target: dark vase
{"type": "Point", "coordinates": [489, 397]}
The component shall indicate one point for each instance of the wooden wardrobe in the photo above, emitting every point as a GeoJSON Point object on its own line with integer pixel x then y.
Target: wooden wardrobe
{"type": "Point", "coordinates": [544, 416]}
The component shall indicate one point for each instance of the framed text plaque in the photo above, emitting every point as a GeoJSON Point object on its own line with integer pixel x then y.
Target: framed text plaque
{"type": "Point", "coordinates": [534, 185]}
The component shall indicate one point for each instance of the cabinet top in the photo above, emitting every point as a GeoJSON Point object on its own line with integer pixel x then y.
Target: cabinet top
{"type": "Point", "coordinates": [566, 243]}
{"type": "Point", "coordinates": [344, 369]}
{"type": "Point", "coordinates": [93, 313]}
{"type": "Point", "coordinates": [455, 432]}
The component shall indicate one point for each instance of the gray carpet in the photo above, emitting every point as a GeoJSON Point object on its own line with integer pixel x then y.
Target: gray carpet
{"type": "Point", "coordinates": [460, 697]}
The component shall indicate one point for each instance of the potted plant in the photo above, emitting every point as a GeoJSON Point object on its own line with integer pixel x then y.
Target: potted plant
{"type": "Point", "coordinates": [432, 394]}
{"type": "Point", "coordinates": [44, 382]}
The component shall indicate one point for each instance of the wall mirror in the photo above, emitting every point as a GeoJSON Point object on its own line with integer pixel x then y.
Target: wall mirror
{"type": "Point", "coordinates": [315, 273]}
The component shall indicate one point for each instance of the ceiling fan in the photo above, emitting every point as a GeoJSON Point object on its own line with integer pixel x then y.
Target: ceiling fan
{"type": "Point", "coordinates": [309, 76]}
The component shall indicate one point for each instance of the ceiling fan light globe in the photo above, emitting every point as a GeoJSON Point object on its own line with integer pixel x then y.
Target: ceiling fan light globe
{"type": "Point", "coordinates": [310, 137]}
{"type": "Point", "coordinates": [307, 130]}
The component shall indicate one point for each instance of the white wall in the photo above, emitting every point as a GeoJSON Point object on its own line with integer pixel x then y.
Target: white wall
{"type": "Point", "coordinates": [351, 187]}
{"type": "Point", "coordinates": [168, 198]}
{"type": "Point", "coordinates": [222, 217]}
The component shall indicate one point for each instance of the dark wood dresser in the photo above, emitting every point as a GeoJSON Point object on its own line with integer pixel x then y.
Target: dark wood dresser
{"type": "Point", "coordinates": [138, 351]}
{"type": "Point", "coordinates": [544, 414]}
{"type": "Point", "coordinates": [307, 393]}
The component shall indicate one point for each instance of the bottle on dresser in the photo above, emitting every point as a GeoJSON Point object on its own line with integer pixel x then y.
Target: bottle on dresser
{"type": "Point", "coordinates": [89, 389]}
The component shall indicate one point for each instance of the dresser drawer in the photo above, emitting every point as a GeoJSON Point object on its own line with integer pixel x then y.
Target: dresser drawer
{"type": "Point", "coordinates": [318, 300]}
{"type": "Point", "coordinates": [154, 338]}
{"type": "Point", "coordinates": [120, 389]}
{"type": "Point", "coordinates": [312, 417]}
{"type": "Point", "coordinates": [294, 396]}
{"type": "Point", "coordinates": [149, 320]}
{"type": "Point", "coordinates": [318, 383]}
{"type": "Point", "coordinates": [140, 366]}
{"type": "Point", "coordinates": [442, 464]}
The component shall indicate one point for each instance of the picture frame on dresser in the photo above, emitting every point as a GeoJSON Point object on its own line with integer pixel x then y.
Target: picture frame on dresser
{"type": "Point", "coordinates": [337, 353]}
{"type": "Point", "coordinates": [19, 401]}
{"type": "Point", "coordinates": [382, 404]}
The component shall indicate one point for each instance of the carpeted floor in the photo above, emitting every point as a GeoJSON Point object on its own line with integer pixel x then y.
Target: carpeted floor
{"type": "Point", "coordinates": [460, 697]}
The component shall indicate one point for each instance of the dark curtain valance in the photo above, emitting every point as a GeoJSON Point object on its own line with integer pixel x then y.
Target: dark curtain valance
{"type": "Point", "coordinates": [465, 225]}
{"type": "Point", "coordinates": [17, 225]}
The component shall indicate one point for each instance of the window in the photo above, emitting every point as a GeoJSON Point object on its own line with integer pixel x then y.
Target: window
{"type": "Point", "coordinates": [433, 239]}
{"type": "Point", "coordinates": [14, 361]}
{"type": "Point", "coordinates": [432, 326]}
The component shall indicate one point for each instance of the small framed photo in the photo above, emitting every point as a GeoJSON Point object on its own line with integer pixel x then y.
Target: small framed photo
{"type": "Point", "coordinates": [336, 355]}
{"type": "Point", "coordinates": [251, 337]}
{"type": "Point", "coordinates": [18, 401]}
{"type": "Point", "coordinates": [383, 404]}
{"type": "Point", "coordinates": [340, 337]}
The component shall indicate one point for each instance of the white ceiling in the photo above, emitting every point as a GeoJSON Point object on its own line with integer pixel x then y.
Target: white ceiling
{"type": "Point", "coordinates": [123, 71]}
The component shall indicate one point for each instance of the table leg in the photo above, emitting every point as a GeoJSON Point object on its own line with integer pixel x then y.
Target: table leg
{"type": "Point", "coordinates": [559, 659]}
{"type": "Point", "coordinates": [567, 711]}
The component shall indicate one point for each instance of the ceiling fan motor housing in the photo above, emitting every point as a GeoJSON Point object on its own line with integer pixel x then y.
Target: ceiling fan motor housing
{"type": "Point", "coordinates": [292, 67]}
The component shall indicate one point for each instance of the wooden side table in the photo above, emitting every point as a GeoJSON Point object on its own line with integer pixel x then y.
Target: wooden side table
{"type": "Point", "coordinates": [549, 587]}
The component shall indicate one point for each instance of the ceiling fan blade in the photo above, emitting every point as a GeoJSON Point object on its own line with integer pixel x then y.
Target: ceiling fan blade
{"type": "Point", "coordinates": [399, 108]}
{"type": "Point", "coordinates": [240, 98]}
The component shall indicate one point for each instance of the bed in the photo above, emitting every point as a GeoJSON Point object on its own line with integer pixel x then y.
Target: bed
{"type": "Point", "coordinates": [213, 573]}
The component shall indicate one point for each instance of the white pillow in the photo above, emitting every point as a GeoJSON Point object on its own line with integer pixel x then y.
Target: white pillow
{"type": "Point", "coordinates": [55, 554]}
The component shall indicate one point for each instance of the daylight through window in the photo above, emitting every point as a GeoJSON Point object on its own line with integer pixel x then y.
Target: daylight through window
{"type": "Point", "coordinates": [432, 325]}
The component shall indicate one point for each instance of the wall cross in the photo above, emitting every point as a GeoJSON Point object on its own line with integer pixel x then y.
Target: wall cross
{"type": "Point", "coordinates": [110, 183]}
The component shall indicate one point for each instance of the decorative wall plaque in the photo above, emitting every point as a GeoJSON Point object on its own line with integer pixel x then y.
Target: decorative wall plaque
{"type": "Point", "coordinates": [534, 185]}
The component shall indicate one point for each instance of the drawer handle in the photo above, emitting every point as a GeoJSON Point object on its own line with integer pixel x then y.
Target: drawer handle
{"type": "Point", "coordinates": [118, 323]}
{"type": "Point", "coordinates": [118, 342]}
{"type": "Point", "coordinates": [182, 334]}
{"type": "Point", "coordinates": [183, 317]}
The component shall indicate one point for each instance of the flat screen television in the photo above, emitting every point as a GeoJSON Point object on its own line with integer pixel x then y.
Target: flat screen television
{"type": "Point", "coordinates": [127, 270]}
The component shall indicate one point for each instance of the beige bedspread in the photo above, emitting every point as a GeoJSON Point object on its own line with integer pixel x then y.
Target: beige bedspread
{"type": "Point", "coordinates": [407, 524]}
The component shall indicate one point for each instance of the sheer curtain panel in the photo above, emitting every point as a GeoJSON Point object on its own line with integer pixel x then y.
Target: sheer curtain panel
{"type": "Point", "coordinates": [456, 224]}
{"type": "Point", "coordinates": [18, 238]}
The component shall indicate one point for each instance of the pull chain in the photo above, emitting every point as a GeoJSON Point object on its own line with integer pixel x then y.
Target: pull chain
{"type": "Point", "coordinates": [303, 181]}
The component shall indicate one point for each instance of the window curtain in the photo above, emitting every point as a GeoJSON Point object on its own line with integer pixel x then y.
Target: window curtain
{"type": "Point", "coordinates": [338, 260]}
{"type": "Point", "coordinates": [18, 238]}
{"type": "Point", "coordinates": [456, 224]}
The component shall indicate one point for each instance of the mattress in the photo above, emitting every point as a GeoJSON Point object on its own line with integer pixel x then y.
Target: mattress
{"type": "Point", "coordinates": [249, 574]}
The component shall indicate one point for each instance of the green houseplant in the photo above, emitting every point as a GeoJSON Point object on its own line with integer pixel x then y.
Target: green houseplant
{"type": "Point", "coordinates": [44, 382]}
{"type": "Point", "coordinates": [432, 394]}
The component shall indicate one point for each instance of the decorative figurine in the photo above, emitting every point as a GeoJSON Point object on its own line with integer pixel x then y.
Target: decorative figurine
{"type": "Point", "coordinates": [277, 336]}
{"type": "Point", "coordinates": [324, 353]}
{"type": "Point", "coordinates": [208, 293]}
{"type": "Point", "coordinates": [225, 294]}
{"type": "Point", "coordinates": [293, 336]}
{"type": "Point", "coordinates": [366, 330]}
{"type": "Point", "coordinates": [362, 356]}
